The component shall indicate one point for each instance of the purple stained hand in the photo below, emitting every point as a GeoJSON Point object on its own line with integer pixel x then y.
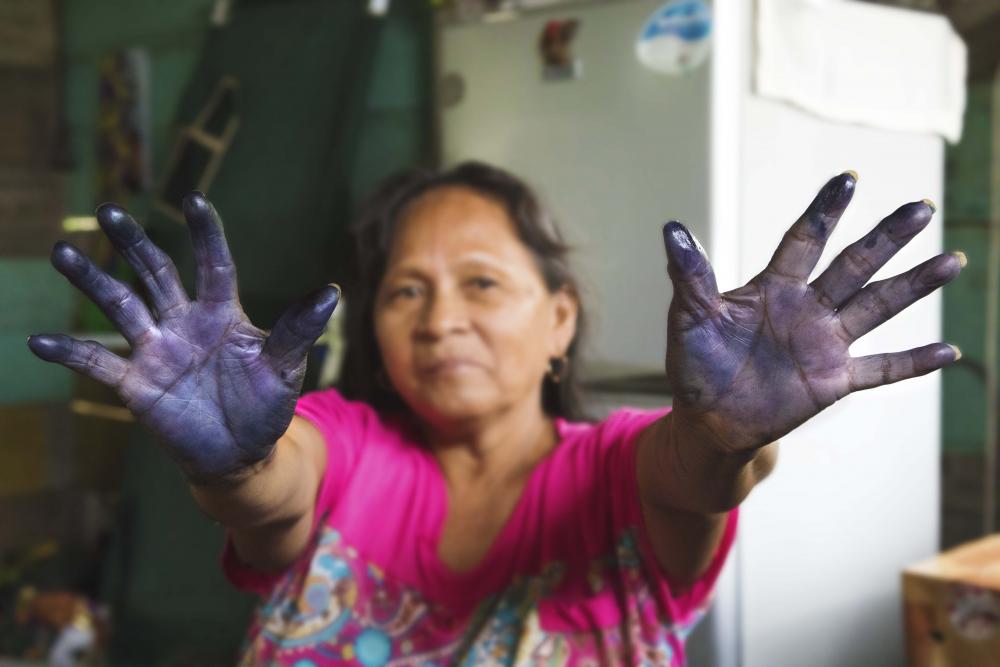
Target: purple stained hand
{"type": "Point", "coordinates": [217, 391]}
{"type": "Point", "coordinates": [748, 366]}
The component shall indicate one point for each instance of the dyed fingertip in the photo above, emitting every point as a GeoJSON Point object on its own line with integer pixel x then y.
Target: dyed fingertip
{"type": "Point", "coordinates": [65, 257]}
{"type": "Point", "coordinates": [48, 348]}
{"type": "Point", "coordinates": [116, 222]}
{"type": "Point", "coordinates": [61, 249]}
{"type": "Point", "coordinates": [930, 204]}
{"type": "Point", "coordinates": [834, 197]}
{"type": "Point", "coordinates": [962, 259]}
{"type": "Point", "coordinates": [669, 228]}
{"type": "Point", "coordinates": [320, 304]}
{"type": "Point", "coordinates": [685, 256]}
{"type": "Point", "coordinates": [845, 181]}
{"type": "Point", "coordinates": [677, 235]}
{"type": "Point", "coordinates": [108, 210]}
{"type": "Point", "coordinates": [956, 350]}
{"type": "Point", "coordinates": [331, 298]}
{"type": "Point", "coordinates": [196, 202]}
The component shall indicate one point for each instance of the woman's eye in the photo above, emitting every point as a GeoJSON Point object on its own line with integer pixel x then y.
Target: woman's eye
{"type": "Point", "coordinates": [405, 292]}
{"type": "Point", "coordinates": [483, 283]}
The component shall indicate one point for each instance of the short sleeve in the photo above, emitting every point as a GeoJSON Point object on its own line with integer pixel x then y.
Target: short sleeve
{"type": "Point", "coordinates": [619, 437]}
{"type": "Point", "coordinates": [344, 426]}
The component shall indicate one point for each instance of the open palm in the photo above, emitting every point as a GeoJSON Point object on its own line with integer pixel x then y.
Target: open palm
{"type": "Point", "coordinates": [750, 365]}
{"type": "Point", "coordinates": [217, 391]}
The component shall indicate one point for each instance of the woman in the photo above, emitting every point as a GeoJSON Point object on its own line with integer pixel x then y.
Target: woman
{"type": "Point", "coordinates": [458, 514]}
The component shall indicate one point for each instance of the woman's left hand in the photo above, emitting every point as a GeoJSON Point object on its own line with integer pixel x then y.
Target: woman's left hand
{"type": "Point", "coordinates": [750, 365]}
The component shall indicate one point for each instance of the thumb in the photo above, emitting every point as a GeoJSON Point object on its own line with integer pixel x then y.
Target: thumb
{"type": "Point", "coordinates": [299, 327]}
{"type": "Point", "coordinates": [695, 290]}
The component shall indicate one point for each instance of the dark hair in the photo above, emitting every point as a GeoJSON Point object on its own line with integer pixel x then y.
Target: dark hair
{"type": "Point", "coordinates": [363, 377]}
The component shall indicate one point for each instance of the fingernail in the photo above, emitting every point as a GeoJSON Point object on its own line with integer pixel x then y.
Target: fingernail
{"type": "Point", "coordinates": [958, 352]}
{"type": "Point", "coordinates": [681, 236]}
{"type": "Point", "coordinates": [962, 259]}
{"type": "Point", "coordinates": [835, 195]}
{"type": "Point", "coordinates": [853, 174]}
{"type": "Point", "coordinates": [667, 231]}
{"type": "Point", "coordinates": [931, 204]}
{"type": "Point", "coordinates": [684, 253]}
{"type": "Point", "coordinates": [328, 299]}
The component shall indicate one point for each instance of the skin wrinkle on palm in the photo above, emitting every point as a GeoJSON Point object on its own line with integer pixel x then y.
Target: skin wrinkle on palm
{"type": "Point", "coordinates": [749, 365]}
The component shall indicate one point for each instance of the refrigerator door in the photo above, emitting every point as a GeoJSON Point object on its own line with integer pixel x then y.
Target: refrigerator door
{"type": "Point", "coordinates": [615, 152]}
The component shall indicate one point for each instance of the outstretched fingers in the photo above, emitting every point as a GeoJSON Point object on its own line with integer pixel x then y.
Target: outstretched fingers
{"type": "Point", "coordinates": [882, 300]}
{"type": "Point", "coordinates": [216, 278]}
{"type": "Point", "coordinates": [154, 267]}
{"type": "Point", "coordinates": [878, 369]}
{"type": "Point", "coordinates": [803, 243]}
{"type": "Point", "coordinates": [861, 260]}
{"type": "Point", "coordinates": [115, 299]}
{"type": "Point", "coordinates": [299, 327]}
{"type": "Point", "coordinates": [84, 356]}
{"type": "Point", "coordinates": [695, 290]}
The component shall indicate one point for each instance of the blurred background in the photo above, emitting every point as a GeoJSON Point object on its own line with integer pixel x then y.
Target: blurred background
{"type": "Point", "coordinates": [727, 115]}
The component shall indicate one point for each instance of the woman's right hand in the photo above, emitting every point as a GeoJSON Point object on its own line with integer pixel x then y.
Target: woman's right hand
{"type": "Point", "coordinates": [217, 391]}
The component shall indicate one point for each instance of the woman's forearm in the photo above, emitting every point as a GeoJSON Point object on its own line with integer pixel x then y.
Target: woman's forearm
{"type": "Point", "coordinates": [687, 483]}
{"type": "Point", "coordinates": [272, 547]}
{"type": "Point", "coordinates": [268, 511]}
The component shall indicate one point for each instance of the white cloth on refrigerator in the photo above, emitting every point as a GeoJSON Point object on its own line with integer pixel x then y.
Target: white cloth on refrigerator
{"type": "Point", "coordinates": [862, 63]}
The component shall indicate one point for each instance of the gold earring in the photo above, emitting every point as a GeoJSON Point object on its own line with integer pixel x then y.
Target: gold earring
{"type": "Point", "coordinates": [557, 368]}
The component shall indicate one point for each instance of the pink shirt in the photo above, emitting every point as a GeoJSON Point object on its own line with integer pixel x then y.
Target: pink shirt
{"type": "Point", "coordinates": [570, 580]}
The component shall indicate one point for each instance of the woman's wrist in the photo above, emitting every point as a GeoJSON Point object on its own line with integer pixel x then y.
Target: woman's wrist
{"type": "Point", "coordinates": [716, 477]}
{"type": "Point", "coordinates": [235, 477]}
{"type": "Point", "coordinates": [722, 440]}
{"type": "Point", "coordinates": [256, 495]}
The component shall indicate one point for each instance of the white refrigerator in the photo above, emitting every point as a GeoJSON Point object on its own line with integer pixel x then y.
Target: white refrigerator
{"type": "Point", "coordinates": [616, 149]}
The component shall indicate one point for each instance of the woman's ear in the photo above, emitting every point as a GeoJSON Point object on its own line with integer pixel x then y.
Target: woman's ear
{"type": "Point", "coordinates": [565, 308]}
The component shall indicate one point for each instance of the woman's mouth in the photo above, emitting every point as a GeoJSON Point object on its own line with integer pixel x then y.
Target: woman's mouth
{"type": "Point", "coordinates": [447, 366]}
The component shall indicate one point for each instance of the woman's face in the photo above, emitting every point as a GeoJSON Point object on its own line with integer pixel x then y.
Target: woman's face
{"type": "Point", "coordinates": [464, 321]}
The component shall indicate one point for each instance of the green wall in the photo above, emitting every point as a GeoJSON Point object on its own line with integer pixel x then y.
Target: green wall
{"type": "Point", "coordinates": [967, 210]}
{"type": "Point", "coordinates": [171, 32]}
{"type": "Point", "coordinates": [162, 577]}
{"type": "Point", "coordinates": [35, 298]}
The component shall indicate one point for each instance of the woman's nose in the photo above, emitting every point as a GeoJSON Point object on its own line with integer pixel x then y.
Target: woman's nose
{"type": "Point", "coordinates": [444, 312]}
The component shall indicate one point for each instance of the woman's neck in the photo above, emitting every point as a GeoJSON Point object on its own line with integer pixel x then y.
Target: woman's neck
{"type": "Point", "coordinates": [504, 447]}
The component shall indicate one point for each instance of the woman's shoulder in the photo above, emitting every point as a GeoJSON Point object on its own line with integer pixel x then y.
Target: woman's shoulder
{"type": "Point", "coordinates": [330, 412]}
{"type": "Point", "coordinates": [595, 450]}
{"type": "Point", "coordinates": [352, 422]}
{"type": "Point", "coordinates": [621, 425]}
